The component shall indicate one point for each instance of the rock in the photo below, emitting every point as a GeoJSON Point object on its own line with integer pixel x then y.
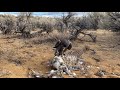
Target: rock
{"type": "Point", "coordinates": [80, 62]}
{"type": "Point", "coordinates": [100, 73]}
{"type": "Point", "coordinates": [37, 76]}
{"type": "Point", "coordinates": [56, 77]}
{"type": "Point", "coordinates": [98, 67]}
{"type": "Point", "coordinates": [74, 74]}
{"type": "Point", "coordinates": [52, 72]}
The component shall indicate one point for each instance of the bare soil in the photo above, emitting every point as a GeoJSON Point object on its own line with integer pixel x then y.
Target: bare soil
{"type": "Point", "coordinates": [17, 55]}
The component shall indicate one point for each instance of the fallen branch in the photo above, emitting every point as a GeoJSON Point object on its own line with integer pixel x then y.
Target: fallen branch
{"type": "Point", "coordinates": [78, 31]}
{"type": "Point", "coordinates": [92, 37]}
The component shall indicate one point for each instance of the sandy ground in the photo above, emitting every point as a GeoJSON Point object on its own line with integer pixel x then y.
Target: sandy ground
{"type": "Point", "coordinates": [17, 55]}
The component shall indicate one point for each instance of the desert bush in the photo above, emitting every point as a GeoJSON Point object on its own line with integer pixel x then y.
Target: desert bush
{"type": "Point", "coordinates": [59, 25]}
{"type": "Point", "coordinates": [64, 22]}
{"type": "Point", "coordinates": [47, 27]}
{"type": "Point", "coordinates": [7, 24]}
{"type": "Point", "coordinates": [94, 20]}
{"type": "Point", "coordinates": [23, 24]}
{"type": "Point", "coordinates": [104, 23]}
{"type": "Point", "coordinates": [114, 19]}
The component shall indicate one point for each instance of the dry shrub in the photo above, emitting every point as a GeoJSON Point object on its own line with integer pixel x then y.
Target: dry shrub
{"type": "Point", "coordinates": [7, 24]}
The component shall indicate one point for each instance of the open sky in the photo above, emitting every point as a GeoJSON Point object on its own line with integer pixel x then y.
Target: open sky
{"type": "Point", "coordinates": [46, 14]}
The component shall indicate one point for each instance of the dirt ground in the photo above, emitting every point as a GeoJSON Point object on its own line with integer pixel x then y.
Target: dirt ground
{"type": "Point", "coordinates": [18, 55]}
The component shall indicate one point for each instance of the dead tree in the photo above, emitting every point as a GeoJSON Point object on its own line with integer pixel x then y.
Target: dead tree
{"type": "Point", "coordinates": [23, 24]}
{"type": "Point", "coordinates": [59, 25]}
{"type": "Point", "coordinates": [64, 21]}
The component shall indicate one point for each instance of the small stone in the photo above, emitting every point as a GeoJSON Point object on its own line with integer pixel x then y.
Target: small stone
{"type": "Point", "coordinates": [100, 73]}
{"type": "Point", "coordinates": [98, 67]}
{"type": "Point", "coordinates": [52, 72]}
{"type": "Point", "coordinates": [37, 76]}
{"type": "Point", "coordinates": [74, 74]}
{"type": "Point", "coordinates": [54, 77]}
{"type": "Point", "coordinates": [113, 73]}
{"type": "Point", "coordinates": [80, 62]}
